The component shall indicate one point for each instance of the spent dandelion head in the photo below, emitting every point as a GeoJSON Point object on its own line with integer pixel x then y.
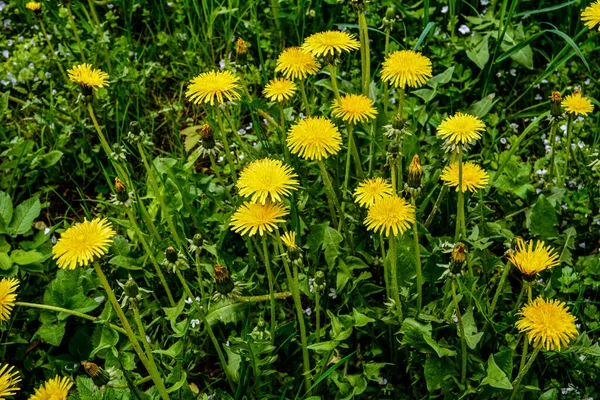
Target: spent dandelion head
{"type": "Point", "coordinates": [390, 214]}
{"type": "Point", "coordinates": [87, 77]}
{"type": "Point", "coordinates": [354, 108]}
{"type": "Point", "coordinates": [474, 177]}
{"type": "Point", "coordinates": [241, 47]}
{"type": "Point", "coordinates": [294, 63]}
{"type": "Point", "coordinates": [83, 243]}
{"type": "Point", "coordinates": [267, 180]}
{"type": "Point", "coordinates": [208, 86]}
{"type": "Point", "coordinates": [279, 90]}
{"type": "Point", "coordinates": [33, 6]}
{"type": "Point", "coordinates": [530, 260]}
{"type": "Point", "coordinates": [56, 388]}
{"type": "Point", "coordinates": [252, 218]}
{"type": "Point", "coordinates": [8, 287]}
{"type": "Point", "coordinates": [591, 15]}
{"type": "Point", "coordinates": [406, 68]}
{"type": "Point", "coordinates": [547, 323]}
{"type": "Point", "coordinates": [370, 190]}
{"type": "Point", "coordinates": [9, 379]}
{"type": "Point", "coordinates": [314, 138]}
{"type": "Point", "coordinates": [460, 128]}
{"type": "Point", "coordinates": [415, 172]}
{"type": "Point", "coordinates": [576, 104]}
{"type": "Point", "coordinates": [555, 104]}
{"type": "Point", "coordinates": [330, 43]}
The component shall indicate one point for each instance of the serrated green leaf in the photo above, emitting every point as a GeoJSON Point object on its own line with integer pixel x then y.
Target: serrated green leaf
{"type": "Point", "coordinates": [52, 333]}
{"type": "Point", "coordinates": [24, 215]}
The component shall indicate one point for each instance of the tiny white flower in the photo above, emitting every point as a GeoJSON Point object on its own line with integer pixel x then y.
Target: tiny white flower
{"type": "Point", "coordinates": [194, 322]}
{"type": "Point", "coordinates": [464, 29]}
{"type": "Point", "coordinates": [444, 9]}
{"type": "Point", "coordinates": [188, 300]}
{"type": "Point", "coordinates": [148, 339]}
{"type": "Point", "coordinates": [513, 72]}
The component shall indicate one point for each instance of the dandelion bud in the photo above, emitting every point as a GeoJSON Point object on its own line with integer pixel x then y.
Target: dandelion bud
{"type": "Point", "coordinates": [122, 195]}
{"type": "Point", "coordinates": [398, 122]}
{"type": "Point", "coordinates": [197, 240]}
{"type": "Point", "coordinates": [99, 376]}
{"type": "Point", "coordinates": [240, 47]}
{"type": "Point", "coordinates": [171, 254]}
{"type": "Point", "coordinates": [319, 281]}
{"type": "Point", "coordinates": [390, 13]}
{"type": "Point", "coordinates": [134, 128]}
{"type": "Point", "coordinates": [555, 100]}
{"type": "Point", "coordinates": [459, 259]}
{"type": "Point", "coordinates": [261, 325]}
{"type": "Point", "coordinates": [208, 138]}
{"type": "Point", "coordinates": [415, 172]}
{"type": "Point", "coordinates": [131, 288]}
{"type": "Point", "coordinates": [223, 282]}
{"type": "Point", "coordinates": [359, 5]}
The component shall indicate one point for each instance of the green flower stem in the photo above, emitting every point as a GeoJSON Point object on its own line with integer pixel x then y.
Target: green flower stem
{"type": "Point", "coordinates": [460, 211]}
{"type": "Point", "coordinates": [242, 144]}
{"type": "Point", "coordinates": [213, 165]}
{"type": "Point", "coordinates": [365, 52]}
{"type": "Point", "coordinates": [211, 334]}
{"type": "Point", "coordinates": [386, 274]}
{"type": "Point", "coordinates": [199, 273]}
{"type": "Point", "coordinates": [227, 149]}
{"type": "Point", "coordinates": [499, 289]}
{"type": "Point", "coordinates": [527, 286]}
{"type": "Point", "coordinates": [159, 196]}
{"type": "Point", "coordinates": [265, 297]}
{"type": "Point", "coordinates": [418, 257]}
{"type": "Point", "coordinates": [156, 378]}
{"type": "Point", "coordinates": [334, 85]}
{"type": "Point", "coordinates": [283, 137]}
{"type": "Point", "coordinates": [317, 316]}
{"type": "Point", "coordinates": [75, 32]}
{"type": "Point", "coordinates": [70, 312]}
{"type": "Point", "coordinates": [436, 206]}
{"type": "Point", "coordinates": [100, 33]}
{"type": "Point", "coordinates": [461, 328]}
{"type": "Point", "coordinates": [58, 64]}
{"type": "Point", "coordinates": [294, 285]}
{"type": "Point", "coordinates": [304, 98]}
{"type": "Point", "coordinates": [142, 332]}
{"type": "Point", "coordinates": [150, 253]}
{"type": "Point", "coordinates": [553, 128]}
{"type": "Point", "coordinates": [400, 163]}
{"type": "Point", "coordinates": [394, 274]}
{"type": "Point", "coordinates": [271, 280]}
{"type": "Point", "coordinates": [523, 371]}
{"type": "Point", "coordinates": [334, 205]}
{"type": "Point", "coordinates": [568, 148]}
{"type": "Point", "coordinates": [350, 128]}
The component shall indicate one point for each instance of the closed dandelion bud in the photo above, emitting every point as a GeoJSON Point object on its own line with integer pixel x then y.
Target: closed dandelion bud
{"type": "Point", "coordinates": [134, 128]}
{"type": "Point", "coordinates": [390, 13]}
{"type": "Point", "coordinates": [555, 107]}
{"type": "Point", "coordinates": [359, 5]}
{"type": "Point", "coordinates": [223, 282]}
{"type": "Point", "coordinates": [459, 258]}
{"type": "Point", "coordinates": [320, 281]}
{"type": "Point", "coordinates": [393, 151]}
{"type": "Point", "coordinates": [398, 122]}
{"type": "Point", "coordinates": [240, 47]}
{"type": "Point", "coordinates": [208, 137]}
{"type": "Point", "coordinates": [131, 288]}
{"type": "Point", "coordinates": [197, 240]}
{"type": "Point", "coordinates": [415, 172]}
{"type": "Point", "coordinates": [261, 325]}
{"type": "Point", "coordinates": [171, 254]}
{"type": "Point", "coordinates": [99, 376]}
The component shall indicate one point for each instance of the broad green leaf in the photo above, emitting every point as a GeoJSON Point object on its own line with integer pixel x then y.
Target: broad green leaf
{"type": "Point", "coordinates": [413, 331]}
{"type": "Point", "coordinates": [324, 347]}
{"type": "Point", "coordinates": [24, 215]}
{"type": "Point", "coordinates": [543, 219]}
{"type": "Point", "coordinates": [6, 208]}
{"type": "Point", "coordinates": [480, 53]}
{"type": "Point", "coordinates": [483, 106]}
{"type": "Point", "coordinates": [172, 351]}
{"type": "Point", "coordinates": [471, 336]}
{"type": "Point", "coordinates": [52, 333]}
{"type": "Point", "coordinates": [438, 371]}
{"type": "Point", "coordinates": [229, 313]}
{"type": "Point", "coordinates": [441, 78]}
{"type": "Point", "coordinates": [49, 159]}
{"type": "Point", "coordinates": [495, 376]}
{"type": "Point", "coordinates": [372, 371]}
{"type": "Point", "coordinates": [66, 291]}
{"type": "Point", "coordinates": [107, 338]}
{"type": "Point", "coordinates": [440, 351]}
{"type": "Point", "coordinates": [23, 257]}
{"type": "Point", "coordinates": [360, 319]}
{"type": "Point", "coordinates": [5, 261]}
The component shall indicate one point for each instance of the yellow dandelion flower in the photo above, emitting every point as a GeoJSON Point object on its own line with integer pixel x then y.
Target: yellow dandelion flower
{"type": "Point", "coordinates": [314, 138]}
{"type": "Point", "coordinates": [330, 43]}
{"type": "Point", "coordinates": [8, 287]}
{"type": "Point", "coordinates": [548, 323]}
{"type": "Point", "coordinates": [33, 6]}
{"type": "Point", "coordinates": [370, 190]}
{"type": "Point", "coordinates": [460, 128]}
{"type": "Point", "coordinates": [56, 388]}
{"type": "Point", "coordinates": [591, 15]}
{"type": "Point", "coordinates": [279, 89]}
{"type": "Point", "coordinates": [289, 239]}
{"type": "Point", "coordinates": [83, 243]}
{"type": "Point", "coordinates": [267, 180]}
{"type": "Point", "coordinates": [474, 177]}
{"type": "Point", "coordinates": [577, 104]}
{"type": "Point", "coordinates": [406, 68]}
{"type": "Point", "coordinates": [354, 108]}
{"type": "Point", "coordinates": [391, 213]}
{"type": "Point", "coordinates": [9, 379]}
{"type": "Point", "coordinates": [294, 63]}
{"type": "Point", "coordinates": [214, 84]}
{"type": "Point", "coordinates": [88, 77]}
{"type": "Point", "coordinates": [251, 218]}
{"type": "Point", "coordinates": [530, 261]}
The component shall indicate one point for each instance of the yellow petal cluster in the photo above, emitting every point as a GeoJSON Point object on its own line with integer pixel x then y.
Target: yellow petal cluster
{"type": "Point", "coordinates": [252, 218]}
{"type": "Point", "coordinates": [314, 138]}
{"type": "Point", "coordinates": [354, 108]}
{"type": "Point", "coordinates": [371, 190]}
{"type": "Point", "coordinates": [267, 180]}
{"type": "Point", "coordinates": [474, 177]}
{"type": "Point", "coordinates": [530, 260]}
{"type": "Point", "coordinates": [214, 85]}
{"type": "Point", "coordinates": [391, 214]}
{"type": "Point", "coordinates": [406, 68]}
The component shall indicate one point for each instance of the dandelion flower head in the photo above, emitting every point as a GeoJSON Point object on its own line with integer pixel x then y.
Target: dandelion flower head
{"type": "Point", "coordinates": [208, 86]}
{"type": "Point", "coordinates": [390, 214]}
{"type": "Point", "coordinates": [577, 104]}
{"type": "Point", "coordinates": [460, 128]}
{"type": "Point", "coordinates": [251, 218]}
{"type": "Point", "coordinates": [330, 43]}
{"type": "Point", "coordinates": [314, 138]}
{"type": "Point", "coordinates": [591, 15]}
{"type": "Point", "coordinates": [354, 108]}
{"type": "Point", "coordinates": [279, 89]}
{"type": "Point", "coordinates": [267, 180]}
{"type": "Point", "coordinates": [289, 239]}
{"type": "Point", "coordinates": [371, 190]}
{"type": "Point", "coordinates": [530, 260]}
{"type": "Point", "coordinates": [88, 77]}
{"type": "Point", "coordinates": [8, 287]}
{"type": "Point", "coordinates": [9, 379]}
{"type": "Point", "coordinates": [474, 177]}
{"type": "Point", "coordinates": [33, 6]}
{"type": "Point", "coordinates": [294, 63]}
{"type": "Point", "coordinates": [406, 68]}
{"type": "Point", "coordinates": [54, 389]}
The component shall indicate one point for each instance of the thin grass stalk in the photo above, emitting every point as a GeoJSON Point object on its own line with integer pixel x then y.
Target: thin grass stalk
{"type": "Point", "coordinates": [334, 85]}
{"type": "Point", "coordinates": [317, 315]}
{"type": "Point", "coordinates": [461, 328]}
{"type": "Point", "coordinates": [418, 259]}
{"type": "Point", "coordinates": [75, 32]}
{"type": "Point", "coordinates": [386, 278]}
{"type": "Point", "coordinates": [226, 145]}
{"type": "Point", "coordinates": [199, 273]}
{"type": "Point", "coordinates": [271, 280]}
{"type": "Point", "coordinates": [283, 136]}
{"type": "Point", "coordinates": [499, 289]}
{"type": "Point", "coordinates": [58, 64]}
{"type": "Point", "coordinates": [517, 382]}
{"type": "Point", "coordinates": [460, 209]}
{"type": "Point", "coordinates": [334, 205]}
{"type": "Point", "coordinates": [213, 165]}
{"type": "Point", "coordinates": [394, 275]}
{"type": "Point", "coordinates": [386, 87]}
{"type": "Point", "coordinates": [142, 332]}
{"type": "Point", "coordinates": [365, 52]}
{"type": "Point", "coordinates": [436, 206]}
{"type": "Point", "coordinates": [568, 148]}
{"type": "Point", "coordinates": [304, 98]}
{"type": "Point", "coordinates": [100, 33]}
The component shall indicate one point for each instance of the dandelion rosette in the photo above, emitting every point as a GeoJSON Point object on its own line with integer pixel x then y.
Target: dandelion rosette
{"type": "Point", "coordinates": [279, 90]}
{"type": "Point", "coordinates": [8, 287]}
{"type": "Point", "coordinates": [294, 63]}
{"type": "Point", "coordinates": [547, 323]}
{"type": "Point", "coordinates": [591, 15]}
{"type": "Point", "coordinates": [9, 379]}
{"type": "Point", "coordinates": [370, 190]}
{"type": "Point", "coordinates": [56, 388]}
{"type": "Point", "coordinates": [474, 177]}
{"type": "Point", "coordinates": [267, 180]}
{"type": "Point", "coordinates": [208, 86]}
{"type": "Point", "coordinates": [251, 218]}
{"type": "Point", "coordinates": [390, 214]}
{"type": "Point", "coordinates": [314, 138]}
{"type": "Point", "coordinates": [460, 128]}
{"type": "Point", "coordinates": [88, 77]}
{"type": "Point", "coordinates": [354, 108]}
{"type": "Point", "coordinates": [530, 260]}
{"type": "Point", "coordinates": [331, 43]}
{"type": "Point", "coordinates": [406, 68]}
{"type": "Point", "coordinates": [577, 104]}
{"type": "Point", "coordinates": [83, 243]}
